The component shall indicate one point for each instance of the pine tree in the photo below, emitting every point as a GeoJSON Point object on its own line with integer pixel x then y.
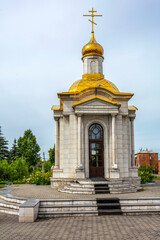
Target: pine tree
{"type": "Point", "coordinates": [3, 147]}
{"type": "Point", "coordinates": [13, 153]}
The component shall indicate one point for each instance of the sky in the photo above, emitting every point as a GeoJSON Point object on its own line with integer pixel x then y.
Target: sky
{"type": "Point", "coordinates": [40, 55]}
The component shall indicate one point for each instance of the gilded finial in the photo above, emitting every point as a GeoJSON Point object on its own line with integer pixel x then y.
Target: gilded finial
{"type": "Point", "coordinates": [92, 21]}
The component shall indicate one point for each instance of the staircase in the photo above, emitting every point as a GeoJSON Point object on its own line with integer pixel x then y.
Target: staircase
{"type": "Point", "coordinates": [109, 206]}
{"type": "Point", "coordinates": [67, 207]}
{"type": "Point", "coordinates": [77, 188]}
{"type": "Point", "coordinates": [10, 205]}
{"type": "Point", "coordinates": [140, 205]}
{"type": "Point", "coordinates": [101, 188]}
{"type": "Point", "coordinates": [81, 207]}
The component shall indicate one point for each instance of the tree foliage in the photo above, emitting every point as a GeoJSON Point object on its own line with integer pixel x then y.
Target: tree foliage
{"type": "Point", "coordinates": [4, 170]}
{"type": "Point", "coordinates": [146, 173]}
{"type": "Point", "coordinates": [52, 155]}
{"type": "Point", "coordinates": [17, 170]}
{"type": "Point", "coordinates": [29, 148]}
{"type": "Point", "coordinates": [47, 166]}
{"type": "Point", "coordinates": [13, 153]}
{"type": "Point", "coordinates": [3, 146]}
{"type": "Point", "coordinates": [40, 179]}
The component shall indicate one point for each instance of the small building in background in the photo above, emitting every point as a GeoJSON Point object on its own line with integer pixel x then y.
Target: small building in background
{"type": "Point", "coordinates": [147, 157]}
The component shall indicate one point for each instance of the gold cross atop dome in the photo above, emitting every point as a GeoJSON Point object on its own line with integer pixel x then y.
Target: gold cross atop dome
{"type": "Point", "coordinates": [92, 21]}
{"type": "Point", "coordinates": [92, 48]}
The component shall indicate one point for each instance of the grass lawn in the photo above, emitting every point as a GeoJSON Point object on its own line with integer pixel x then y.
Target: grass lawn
{"type": "Point", "coordinates": [2, 185]}
{"type": "Point", "coordinates": [5, 183]}
{"type": "Point", "coordinates": [157, 177]}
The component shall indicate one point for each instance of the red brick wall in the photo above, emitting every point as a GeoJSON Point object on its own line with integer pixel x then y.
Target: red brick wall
{"type": "Point", "coordinates": [158, 167]}
{"type": "Point", "coordinates": [144, 159]}
{"type": "Point", "coordinates": [154, 160]}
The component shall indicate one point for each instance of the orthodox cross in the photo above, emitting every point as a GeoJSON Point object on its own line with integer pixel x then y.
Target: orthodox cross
{"type": "Point", "coordinates": [92, 15]}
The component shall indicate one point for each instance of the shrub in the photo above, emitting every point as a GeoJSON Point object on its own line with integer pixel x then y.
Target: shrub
{"type": "Point", "coordinates": [4, 170]}
{"type": "Point", "coordinates": [47, 166]}
{"type": "Point", "coordinates": [40, 179]}
{"type": "Point", "coordinates": [146, 174]}
{"type": "Point", "coordinates": [18, 169]}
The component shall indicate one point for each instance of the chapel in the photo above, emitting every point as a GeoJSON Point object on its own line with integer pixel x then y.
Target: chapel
{"type": "Point", "coordinates": [94, 127]}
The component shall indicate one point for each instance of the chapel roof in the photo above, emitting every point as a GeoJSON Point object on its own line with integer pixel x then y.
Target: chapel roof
{"type": "Point", "coordinates": [93, 81]}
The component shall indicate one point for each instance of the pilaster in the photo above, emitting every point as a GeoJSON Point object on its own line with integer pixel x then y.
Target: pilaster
{"type": "Point", "coordinates": [56, 143]}
{"type": "Point", "coordinates": [132, 143]}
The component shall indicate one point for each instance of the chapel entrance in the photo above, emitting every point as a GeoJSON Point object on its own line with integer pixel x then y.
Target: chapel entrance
{"type": "Point", "coordinates": [96, 153]}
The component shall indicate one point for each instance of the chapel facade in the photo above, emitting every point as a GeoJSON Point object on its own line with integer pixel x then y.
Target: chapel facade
{"type": "Point", "coordinates": [94, 126]}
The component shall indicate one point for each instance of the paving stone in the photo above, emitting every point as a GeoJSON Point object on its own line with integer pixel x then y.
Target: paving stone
{"type": "Point", "coordinates": [83, 228]}
{"type": "Point", "coordinates": [46, 192]}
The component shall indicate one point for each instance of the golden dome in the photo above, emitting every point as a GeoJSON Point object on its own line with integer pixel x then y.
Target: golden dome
{"type": "Point", "coordinates": [92, 81]}
{"type": "Point", "coordinates": [92, 48]}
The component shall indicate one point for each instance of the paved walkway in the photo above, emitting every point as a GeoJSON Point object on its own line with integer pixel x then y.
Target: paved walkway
{"type": "Point", "coordinates": [82, 228]}
{"type": "Point", "coordinates": [119, 227]}
{"type": "Point", "coordinates": [46, 192]}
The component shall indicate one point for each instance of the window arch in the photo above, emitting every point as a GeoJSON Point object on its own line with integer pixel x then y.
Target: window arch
{"type": "Point", "coordinates": [96, 132]}
{"type": "Point", "coordinates": [93, 67]}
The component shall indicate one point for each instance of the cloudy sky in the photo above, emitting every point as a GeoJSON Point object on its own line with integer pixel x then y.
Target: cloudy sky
{"type": "Point", "coordinates": [40, 55]}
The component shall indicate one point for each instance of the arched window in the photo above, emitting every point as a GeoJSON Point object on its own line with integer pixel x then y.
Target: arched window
{"type": "Point", "coordinates": [95, 132]}
{"type": "Point", "coordinates": [93, 67]}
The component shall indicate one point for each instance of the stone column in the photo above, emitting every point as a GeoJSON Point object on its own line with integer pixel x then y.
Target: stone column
{"type": "Point", "coordinates": [79, 141]}
{"type": "Point", "coordinates": [132, 143]}
{"type": "Point", "coordinates": [113, 140]}
{"type": "Point", "coordinates": [83, 145]}
{"type": "Point", "coordinates": [56, 142]}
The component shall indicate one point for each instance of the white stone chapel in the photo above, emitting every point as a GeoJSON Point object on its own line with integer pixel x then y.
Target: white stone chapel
{"type": "Point", "coordinates": [94, 126]}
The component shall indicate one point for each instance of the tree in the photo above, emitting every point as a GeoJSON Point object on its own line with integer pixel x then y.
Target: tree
{"type": "Point", "coordinates": [3, 147]}
{"type": "Point", "coordinates": [47, 166]}
{"type": "Point", "coordinates": [146, 173]}
{"type": "Point", "coordinates": [13, 153]}
{"type": "Point", "coordinates": [4, 170]}
{"type": "Point", "coordinates": [52, 155]}
{"type": "Point", "coordinates": [28, 148]}
{"type": "Point", "coordinates": [18, 169]}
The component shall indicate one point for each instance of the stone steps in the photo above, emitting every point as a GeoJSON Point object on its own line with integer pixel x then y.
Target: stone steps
{"type": "Point", "coordinates": [9, 207]}
{"type": "Point", "coordinates": [101, 188]}
{"type": "Point", "coordinates": [9, 211]}
{"type": "Point", "coordinates": [109, 206]}
{"type": "Point", "coordinates": [140, 212]}
{"type": "Point", "coordinates": [12, 199]}
{"type": "Point", "coordinates": [110, 212]}
{"type": "Point", "coordinates": [62, 207]}
{"type": "Point", "coordinates": [93, 186]}
{"type": "Point", "coordinates": [66, 214]}
{"type": "Point", "coordinates": [75, 207]}
{"type": "Point", "coordinates": [91, 182]}
{"type": "Point", "coordinates": [89, 186]}
{"type": "Point", "coordinates": [140, 206]}
{"type": "Point", "coordinates": [78, 188]}
{"type": "Point", "coordinates": [76, 191]}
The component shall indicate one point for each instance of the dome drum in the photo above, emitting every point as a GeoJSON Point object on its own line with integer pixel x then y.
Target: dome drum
{"type": "Point", "coordinates": [92, 64]}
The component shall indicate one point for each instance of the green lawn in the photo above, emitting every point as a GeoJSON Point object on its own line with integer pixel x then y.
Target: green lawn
{"type": "Point", "coordinates": [2, 185]}
{"type": "Point", "coordinates": [157, 177]}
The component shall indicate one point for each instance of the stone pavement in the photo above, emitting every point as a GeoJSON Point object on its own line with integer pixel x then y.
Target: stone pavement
{"type": "Point", "coordinates": [144, 227]}
{"type": "Point", "coordinates": [46, 192]}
